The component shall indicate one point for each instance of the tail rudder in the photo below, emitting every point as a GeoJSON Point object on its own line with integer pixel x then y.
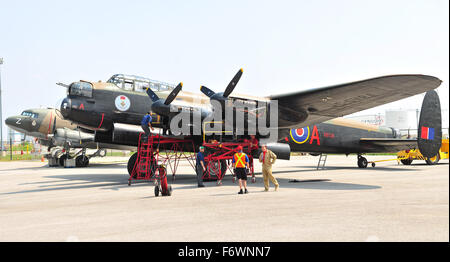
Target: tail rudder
{"type": "Point", "coordinates": [429, 135]}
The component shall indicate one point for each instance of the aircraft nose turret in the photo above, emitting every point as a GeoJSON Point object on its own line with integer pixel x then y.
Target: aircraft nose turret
{"type": "Point", "coordinates": [65, 107]}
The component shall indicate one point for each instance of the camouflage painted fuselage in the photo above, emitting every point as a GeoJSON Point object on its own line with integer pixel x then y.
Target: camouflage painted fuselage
{"type": "Point", "coordinates": [339, 136]}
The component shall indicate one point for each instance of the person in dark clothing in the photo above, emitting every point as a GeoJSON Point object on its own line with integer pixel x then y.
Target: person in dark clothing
{"type": "Point", "coordinates": [200, 167]}
{"type": "Point", "coordinates": [146, 123]}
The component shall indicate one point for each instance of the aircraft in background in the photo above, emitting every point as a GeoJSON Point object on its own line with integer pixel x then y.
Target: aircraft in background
{"type": "Point", "coordinates": [59, 135]}
{"type": "Point", "coordinates": [308, 121]}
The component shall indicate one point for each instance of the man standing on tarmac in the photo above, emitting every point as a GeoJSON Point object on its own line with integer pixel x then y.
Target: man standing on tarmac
{"type": "Point", "coordinates": [200, 166]}
{"type": "Point", "coordinates": [267, 158]}
{"type": "Point", "coordinates": [240, 161]}
{"type": "Point", "coordinates": [146, 122]}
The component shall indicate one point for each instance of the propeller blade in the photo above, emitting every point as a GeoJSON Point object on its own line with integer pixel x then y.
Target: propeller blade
{"type": "Point", "coordinates": [152, 95]}
{"type": "Point", "coordinates": [208, 92]}
{"type": "Point", "coordinates": [173, 94]}
{"type": "Point", "coordinates": [233, 83]}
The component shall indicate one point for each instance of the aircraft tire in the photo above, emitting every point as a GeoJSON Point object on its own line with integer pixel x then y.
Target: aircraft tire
{"type": "Point", "coordinates": [222, 164]}
{"type": "Point", "coordinates": [61, 160]}
{"type": "Point", "coordinates": [362, 162]}
{"type": "Point", "coordinates": [82, 161]}
{"type": "Point", "coordinates": [131, 163]}
{"type": "Point", "coordinates": [86, 162]}
{"type": "Point", "coordinates": [433, 160]}
{"type": "Point", "coordinates": [406, 162]}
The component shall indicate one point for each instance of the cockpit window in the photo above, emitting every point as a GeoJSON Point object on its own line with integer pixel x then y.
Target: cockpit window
{"type": "Point", "coordinates": [138, 83]}
{"type": "Point", "coordinates": [81, 89]}
{"type": "Point", "coordinates": [30, 114]}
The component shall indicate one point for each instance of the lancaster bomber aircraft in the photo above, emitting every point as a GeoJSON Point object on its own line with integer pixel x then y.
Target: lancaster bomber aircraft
{"type": "Point", "coordinates": [59, 135]}
{"type": "Point", "coordinates": [308, 121]}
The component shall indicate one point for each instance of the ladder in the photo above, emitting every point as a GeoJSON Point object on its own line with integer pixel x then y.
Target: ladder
{"type": "Point", "coordinates": [145, 165]}
{"type": "Point", "coordinates": [323, 160]}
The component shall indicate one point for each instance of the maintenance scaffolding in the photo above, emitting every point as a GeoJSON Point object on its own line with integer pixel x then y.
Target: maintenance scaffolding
{"type": "Point", "coordinates": [156, 153]}
{"type": "Point", "coordinates": [218, 160]}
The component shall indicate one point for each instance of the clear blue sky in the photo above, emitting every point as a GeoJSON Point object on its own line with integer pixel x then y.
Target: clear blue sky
{"type": "Point", "coordinates": [283, 46]}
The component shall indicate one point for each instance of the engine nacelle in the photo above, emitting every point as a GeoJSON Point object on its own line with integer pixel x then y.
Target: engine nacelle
{"type": "Point", "coordinates": [282, 150]}
{"type": "Point", "coordinates": [63, 136]}
{"type": "Point", "coordinates": [120, 134]}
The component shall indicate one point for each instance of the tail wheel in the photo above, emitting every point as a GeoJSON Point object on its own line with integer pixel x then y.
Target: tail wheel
{"type": "Point", "coordinates": [434, 160]}
{"type": "Point", "coordinates": [362, 162]}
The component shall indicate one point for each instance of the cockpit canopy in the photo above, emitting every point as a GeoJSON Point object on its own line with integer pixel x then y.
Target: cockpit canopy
{"type": "Point", "coordinates": [30, 114]}
{"type": "Point", "coordinates": [138, 83]}
{"type": "Point", "coordinates": [80, 89]}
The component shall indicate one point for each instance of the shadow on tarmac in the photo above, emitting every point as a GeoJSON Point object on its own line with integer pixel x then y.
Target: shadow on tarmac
{"type": "Point", "coordinates": [116, 182]}
{"type": "Point", "coordinates": [187, 181]}
{"type": "Point", "coordinates": [91, 166]}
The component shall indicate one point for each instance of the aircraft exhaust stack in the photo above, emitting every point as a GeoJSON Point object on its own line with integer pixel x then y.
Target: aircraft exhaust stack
{"type": "Point", "coordinates": [429, 136]}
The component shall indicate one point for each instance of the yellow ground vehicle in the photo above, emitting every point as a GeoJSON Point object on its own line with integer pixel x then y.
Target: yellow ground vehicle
{"type": "Point", "coordinates": [407, 156]}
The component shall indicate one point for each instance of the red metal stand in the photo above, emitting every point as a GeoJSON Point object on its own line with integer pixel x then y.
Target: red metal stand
{"type": "Point", "coordinates": [157, 153]}
{"type": "Point", "coordinates": [154, 155]}
{"type": "Point", "coordinates": [219, 158]}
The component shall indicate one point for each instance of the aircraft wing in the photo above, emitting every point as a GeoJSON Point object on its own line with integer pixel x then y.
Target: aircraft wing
{"type": "Point", "coordinates": [390, 144]}
{"type": "Point", "coordinates": [321, 104]}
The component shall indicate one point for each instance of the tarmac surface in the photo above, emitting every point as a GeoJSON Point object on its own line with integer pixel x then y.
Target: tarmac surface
{"type": "Point", "coordinates": [390, 202]}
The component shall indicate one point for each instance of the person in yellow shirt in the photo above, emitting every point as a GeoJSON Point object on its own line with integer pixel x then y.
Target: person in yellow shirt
{"type": "Point", "coordinates": [267, 158]}
{"type": "Point", "coordinates": [240, 163]}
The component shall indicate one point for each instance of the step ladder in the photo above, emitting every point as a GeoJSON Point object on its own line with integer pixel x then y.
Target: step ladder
{"type": "Point", "coordinates": [145, 165]}
{"type": "Point", "coordinates": [323, 160]}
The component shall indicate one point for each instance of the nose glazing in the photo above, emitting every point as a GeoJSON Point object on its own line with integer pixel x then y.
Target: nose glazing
{"type": "Point", "coordinates": [65, 107]}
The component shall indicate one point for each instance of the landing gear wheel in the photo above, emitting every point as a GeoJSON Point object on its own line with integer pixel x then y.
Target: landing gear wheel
{"type": "Point", "coordinates": [406, 162]}
{"type": "Point", "coordinates": [373, 164]}
{"type": "Point", "coordinates": [62, 159]}
{"type": "Point", "coordinates": [131, 163]}
{"type": "Point", "coordinates": [156, 191]}
{"type": "Point", "coordinates": [434, 160]}
{"type": "Point", "coordinates": [82, 161]}
{"type": "Point", "coordinates": [213, 171]}
{"type": "Point", "coordinates": [362, 162]}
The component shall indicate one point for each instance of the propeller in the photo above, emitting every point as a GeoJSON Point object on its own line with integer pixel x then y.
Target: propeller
{"type": "Point", "coordinates": [162, 106]}
{"type": "Point", "coordinates": [223, 95]}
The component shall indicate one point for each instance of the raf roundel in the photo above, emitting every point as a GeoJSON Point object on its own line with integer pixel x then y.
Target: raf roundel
{"type": "Point", "coordinates": [300, 135]}
{"type": "Point", "coordinates": [122, 103]}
